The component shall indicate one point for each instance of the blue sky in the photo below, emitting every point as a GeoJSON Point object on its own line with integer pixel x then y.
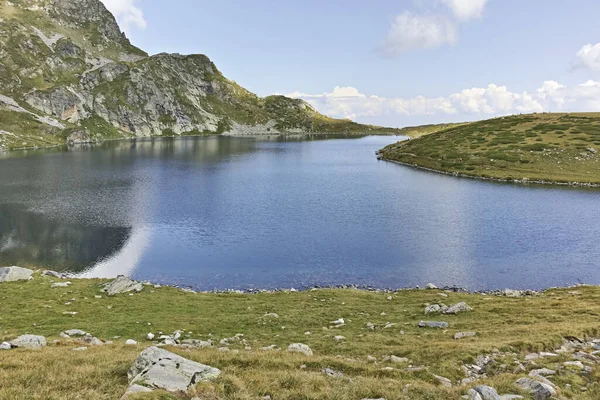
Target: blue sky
{"type": "Point", "coordinates": [397, 63]}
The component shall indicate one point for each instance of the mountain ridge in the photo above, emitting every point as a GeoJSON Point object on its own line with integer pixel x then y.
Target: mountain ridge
{"type": "Point", "coordinates": [67, 72]}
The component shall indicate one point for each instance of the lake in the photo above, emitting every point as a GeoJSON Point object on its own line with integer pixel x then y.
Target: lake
{"type": "Point", "coordinates": [241, 213]}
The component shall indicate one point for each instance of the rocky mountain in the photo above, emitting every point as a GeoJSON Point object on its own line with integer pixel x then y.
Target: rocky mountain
{"type": "Point", "coordinates": [67, 71]}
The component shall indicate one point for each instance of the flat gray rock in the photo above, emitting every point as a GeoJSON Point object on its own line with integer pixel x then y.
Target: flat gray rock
{"type": "Point", "coordinates": [538, 390]}
{"type": "Point", "coordinates": [433, 324]}
{"type": "Point", "coordinates": [60, 284]}
{"type": "Point", "coordinates": [5, 346]}
{"type": "Point", "coordinates": [122, 284]}
{"type": "Point", "coordinates": [29, 342]}
{"type": "Point", "coordinates": [157, 368]}
{"type": "Point", "coordinates": [12, 274]}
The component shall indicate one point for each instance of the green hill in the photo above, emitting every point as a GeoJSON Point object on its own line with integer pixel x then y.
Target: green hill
{"type": "Point", "coordinates": [557, 148]}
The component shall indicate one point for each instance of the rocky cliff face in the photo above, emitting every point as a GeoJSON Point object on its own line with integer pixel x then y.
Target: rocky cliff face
{"type": "Point", "coordinates": [65, 67]}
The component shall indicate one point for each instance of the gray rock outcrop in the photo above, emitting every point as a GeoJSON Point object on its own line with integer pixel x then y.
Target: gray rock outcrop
{"type": "Point", "coordinates": [122, 284]}
{"type": "Point", "coordinates": [29, 342]}
{"type": "Point", "coordinates": [12, 274]}
{"type": "Point", "coordinates": [157, 368]}
{"type": "Point", "coordinates": [433, 324]}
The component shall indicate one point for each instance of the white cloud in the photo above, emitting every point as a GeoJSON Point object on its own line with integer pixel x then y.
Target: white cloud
{"type": "Point", "coordinates": [466, 9]}
{"type": "Point", "coordinates": [473, 103]}
{"type": "Point", "coordinates": [127, 13]}
{"type": "Point", "coordinates": [589, 57]}
{"type": "Point", "coordinates": [412, 32]}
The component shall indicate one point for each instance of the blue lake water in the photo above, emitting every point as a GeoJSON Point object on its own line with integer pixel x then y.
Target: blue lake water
{"type": "Point", "coordinates": [222, 212]}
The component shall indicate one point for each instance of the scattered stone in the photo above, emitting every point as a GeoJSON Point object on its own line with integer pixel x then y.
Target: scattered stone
{"type": "Point", "coordinates": [389, 325]}
{"type": "Point", "coordinates": [91, 340]}
{"type": "Point", "coordinates": [433, 324]}
{"type": "Point", "coordinates": [396, 360]}
{"type": "Point", "coordinates": [150, 336]}
{"type": "Point", "coordinates": [271, 348]}
{"type": "Point", "coordinates": [371, 359]}
{"type": "Point", "coordinates": [29, 342]}
{"type": "Point", "coordinates": [574, 364]}
{"type": "Point", "coordinates": [339, 322]}
{"type": "Point", "coordinates": [430, 286]}
{"type": "Point", "coordinates": [541, 372]}
{"type": "Point", "coordinates": [538, 390]}
{"type": "Point", "coordinates": [487, 392]}
{"type": "Point", "coordinates": [60, 284]}
{"type": "Point", "coordinates": [435, 308]}
{"type": "Point", "coordinates": [80, 349]}
{"type": "Point", "coordinates": [332, 373]}
{"type": "Point", "coordinates": [198, 344]}
{"type": "Point", "coordinates": [339, 338]}
{"type": "Point", "coordinates": [122, 284]}
{"type": "Point", "coordinates": [130, 342]}
{"type": "Point", "coordinates": [270, 315]}
{"type": "Point", "coordinates": [457, 308]}
{"type": "Point", "coordinates": [370, 326]}
{"type": "Point", "coordinates": [157, 368]}
{"type": "Point", "coordinates": [54, 274]}
{"type": "Point", "coordinates": [74, 332]}
{"type": "Point", "coordinates": [70, 313]}
{"type": "Point", "coordinates": [511, 397]}
{"type": "Point", "coordinates": [462, 335]}
{"type": "Point", "coordinates": [97, 296]}
{"type": "Point", "coordinates": [169, 342]}
{"type": "Point", "coordinates": [300, 348]}
{"type": "Point", "coordinates": [443, 381]}
{"type": "Point", "coordinates": [5, 346]}
{"type": "Point", "coordinates": [13, 274]}
{"type": "Point", "coordinates": [512, 293]}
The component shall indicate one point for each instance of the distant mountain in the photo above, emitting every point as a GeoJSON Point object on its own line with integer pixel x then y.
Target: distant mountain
{"type": "Point", "coordinates": [67, 71]}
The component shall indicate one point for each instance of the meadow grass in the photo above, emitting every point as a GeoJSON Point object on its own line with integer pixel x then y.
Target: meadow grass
{"type": "Point", "coordinates": [519, 325]}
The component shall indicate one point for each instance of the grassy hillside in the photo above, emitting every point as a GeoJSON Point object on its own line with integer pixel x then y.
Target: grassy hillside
{"type": "Point", "coordinates": [66, 67]}
{"type": "Point", "coordinates": [507, 330]}
{"type": "Point", "coordinates": [560, 148]}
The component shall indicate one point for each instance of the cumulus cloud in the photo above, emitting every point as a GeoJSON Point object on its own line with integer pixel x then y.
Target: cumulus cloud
{"type": "Point", "coordinates": [466, 9]}
{"type": "Point", "coordinates": [588, 57]}
{"type": "Point", "coordinates": [411, 32]}
{"type": "Point", "coordinates": [473, 103]}
{"type": "Point", "coordinates": [127, 13]}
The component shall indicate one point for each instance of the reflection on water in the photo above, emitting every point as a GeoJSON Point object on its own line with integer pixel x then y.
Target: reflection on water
{"type": "Point", "coordinates": [223, 212]}
{"type": "Point", "coordinates": [28, 238]}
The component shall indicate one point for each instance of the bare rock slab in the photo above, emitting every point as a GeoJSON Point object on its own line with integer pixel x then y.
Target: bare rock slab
{"type": "Point", "coordinates": [13, 274]}
{"type": "Point", "coordinates": [122, 284]}
{"type": "Point", "coordinates": [157, 368]}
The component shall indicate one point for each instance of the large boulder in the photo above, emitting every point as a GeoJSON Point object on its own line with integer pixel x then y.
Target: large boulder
{"type": "Point", "coordinates": [157, 368]}
{"type": "Point", "coordinates": [12, 274]}
{"type": "Point", "coordinates": [487, 392]}
{"type": "Point", "coordinates": [122, 284]}
{"type": "Point", "coordinates": [29, 342]}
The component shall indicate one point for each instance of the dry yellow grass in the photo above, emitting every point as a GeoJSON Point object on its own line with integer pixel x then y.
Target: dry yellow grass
{"type": "Point", "coordinates": [518, 325]}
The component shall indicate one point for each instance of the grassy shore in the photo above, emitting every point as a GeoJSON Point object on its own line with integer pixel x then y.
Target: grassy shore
{"type": "Point", "coordinates": [503, 325]}
{"type": "Point", "coordinates": [558, 148]}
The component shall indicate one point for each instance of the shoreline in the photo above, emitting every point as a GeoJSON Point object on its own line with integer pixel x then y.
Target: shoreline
{"type": "Point", "coordinates": [312, 288]}
{"type": "Point", "coordinates": [499, 180]}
